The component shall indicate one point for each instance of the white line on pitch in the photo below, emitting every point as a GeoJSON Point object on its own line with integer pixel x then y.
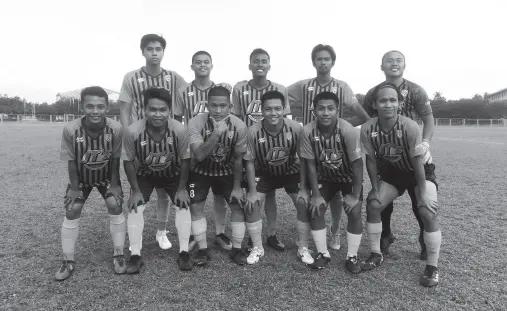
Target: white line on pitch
{"type": "Point", "coordinates": [472, 140]}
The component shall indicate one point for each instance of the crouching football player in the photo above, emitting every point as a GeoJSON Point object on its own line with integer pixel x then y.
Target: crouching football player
{"type": "Point", "coordinates": [159, 147]}
{"type": "Point", "coordinates": [395, 140]}
{"type": "Point", "coordinates": [92, 147]}
{"type": "Point", "coordinates": [332, 162]}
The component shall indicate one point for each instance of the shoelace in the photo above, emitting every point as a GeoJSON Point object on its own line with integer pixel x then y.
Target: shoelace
{"type": "Point", "coordinates": [64, 266]}
{"type": "Point", "coordinates": [353, 260]}
{"type": "Point", "coordinates": [255, 251]}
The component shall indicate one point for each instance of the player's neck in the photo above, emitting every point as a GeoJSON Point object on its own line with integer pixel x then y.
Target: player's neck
{"type": "Point", "coordinates": [152, 70]}
{"type": "Point", "coordinates": [156, 133]}
{"type": "Point", "coordinates": [259, 82]}
{"type": "Point", "coordinates": [387, 124]}
{"type": "Point", "coordinates": [202, 82]}
{"type": "Point", "coordinates": [273, 130]}
{"type": "Point", "coordinates": [94, 127]}
{"type": "Point", "coordinates": [395, 80]}
{"type": "Point", "coordinates": [324, 78]}
{"type": "Point", "coordinates": [327, 130]}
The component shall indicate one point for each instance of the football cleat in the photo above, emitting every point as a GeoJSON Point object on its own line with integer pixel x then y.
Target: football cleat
{"type": "Point", "coordinates": [255, 254]}
{"type": "Point", "coordinates": [224, 241]}
{"type": "Point", "coordinates": [320, 262]}
{"type": "Point", "coordinates": [191, 243]}
{"type": "Point", "coordinates": [65, 270]}
{"type": "Point", "coordinates": [120, 267]}
{"type": "Point", "coordinates": [238, 256]}
{"type": "Point", "coordinates": [135, 264]}
{"type": "Point", "coordinates": [353, 265]}
{"type": "Point", "coordinates": [275, 243]}
{"type": "Point", "coordinates": [185, 262]}
{"type": "Point", "coordinates": [306, 256]}
{"type": "Point", "coordinates": [373, 261]}
{"type": "Point", "coordinates": [430, 276]}
{"type": "Point", "coordinates": [201, 258]}
{"type": "Point", "coordinates": [335, 239]}
{"type": "Point", "coordinates": [162, 240]}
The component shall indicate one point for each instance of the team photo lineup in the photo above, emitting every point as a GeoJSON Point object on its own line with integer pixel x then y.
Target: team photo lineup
{"type": "Point", "coordinates": [243, 142]}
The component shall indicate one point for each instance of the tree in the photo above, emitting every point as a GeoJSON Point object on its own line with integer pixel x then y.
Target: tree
{"type": "Point", "coordinates": [438, 96]}
{"type": "Point", "coordinates": [477, 96]}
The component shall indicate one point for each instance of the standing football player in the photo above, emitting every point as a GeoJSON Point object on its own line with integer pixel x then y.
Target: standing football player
{"type": "Point", "coordinates": [272, 151]}
{"type": "Point", "coordinates": [191, 100]}
{"type": "Point", "coordinates": [333, 162]}
{"type": "Point", "coordinates": [396, 141]}
{"type": "Point", "coordinates": [416, 106]}
{"type": "Point", "coordinates": [132, 108]}
{"type": "Point", "coordinates": [247, 106]}
{"type": "Point", "coordinates": [301, 96]}
{"type": "Point", "coordinates": [218, 143]}
{"type": "Point", "coordinates": [92, 148]}
{"type": "Point", "coordinates": [157, 155]}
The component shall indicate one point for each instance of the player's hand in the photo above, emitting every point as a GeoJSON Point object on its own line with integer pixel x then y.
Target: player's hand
{"type": "Point", "coordinates": [426, 202]}
{"type": "Point", "coordinates": [349, 202]}
{"type": "Point", "coordinates": [373, 196]}
{"type": "Point", "coordinates": [252, 198]}
{"type": "Point", "coordinates": [424, 149]}
{"type": "Point", "coordinates": [226, 85]}
{"type": "Point", "coordinates": [136, 199]}
{"type": "Point", "coordinates": [116, 192]}
{"type": "Point", "coordinates": [316, 202]}
{"type": "Point", "coordinates": [181, 199]}
{"type": "Point", "coordinates": [238, 196]}
{"type": "Point", "coordinates": [221, 126]}
{"type": "Point", "coordinates": [303, 197]}
{"type": "Point", "coordinates": [71, 197]}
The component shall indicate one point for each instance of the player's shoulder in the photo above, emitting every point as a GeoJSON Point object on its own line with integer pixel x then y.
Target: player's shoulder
{"type": "Point", "coordinates": [366, 125]}
{"type": "Point", "coordinates": [136, 127]}
{"type": "Point", "coordinates": [239, 85]}
{"type": "Point", "coordinates": [308, 128]}
{"type": "Point", "coordinates": [71, 126]}
{"type": "Point", "coordinates": [412, 85]}
{"type": "Point", "coordinates": [237, 122]}
{"type": "Point", "coordinates": [407, 122]}
{"type": "Point", "coordinates": [177, 126]}
{"type": "Point", "coordinates": [340, 82]}
{"type": "Point", "coordinates": [344, 124]}
{"type": "Point", "coordinates": [278, 86]}
{"type": "Point", "coordinates": [254, 128]}
{"type": "Point", "coordinates": [304, 82]}
{"type": "Point", "coordinates": [198, 120]}
{"type": "Point", "coordinates": [134, 73]}
{"type": "Point", "coordinates": [184, 89]}
{"type": "Point", "coordinates": [293, 124]}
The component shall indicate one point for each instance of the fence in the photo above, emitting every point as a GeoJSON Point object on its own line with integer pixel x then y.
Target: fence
{"type": "Point", "coordinates": [43, 118]}
{"type": "Point", "coordinates": [471, 122]}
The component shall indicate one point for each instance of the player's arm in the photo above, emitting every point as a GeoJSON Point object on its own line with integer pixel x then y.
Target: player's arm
{"type": "Point", "coordinates": [371, 161]}
{"type": "Point", "coordinates": [179, 106]}
{"type": "Point", "coordinates": [67, 154]}
{"type": "Point", "coordinates": [116, 155]}
{"type": "Point", "coordinates": [236, 104]}
{"type": "Point", "coordinates": [249, 157]}
{"type": "Point", "coordinates": [126, 101]}
{"type": "Point", "coordinates": [351, 102]}
{"type": "Point", "coordinates": [308, 156]}
{"type": "Point", "coordinates": [202, 149]}
{"type": "Point", "coordinates": [128, 160]}
{"type": "Point", "coordinates": [181, 198]}
{"type": "Point", "coordinates": [295, 99]}
{"type": "Point", "coordinates": [239, 152]}
{"type": "Point", "coordinates": [423, 108]}
{"type": "Point", "coordinates": [352, 145]}
{"type": "Point", "coordinates": [287, 112]}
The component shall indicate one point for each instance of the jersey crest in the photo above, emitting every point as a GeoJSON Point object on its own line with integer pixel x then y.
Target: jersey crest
{"type": "Point", "coordinates": [331, 158]}
{"type": "Point", "coordinates": [95, 159]}
{"type": "Point", "coordinates": [277, 156]}
{"type": "Point", "coordinates": [200, 108]}
{"type": "Point", "coordinates": [158, 161]}
{"type": "Point", "coordinates": [390, 152]}
{"type": "Point", "coordinates": [254, 111]}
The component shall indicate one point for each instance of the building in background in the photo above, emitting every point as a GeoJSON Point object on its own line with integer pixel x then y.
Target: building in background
{"type": "Point", "coordinates": [497, 96]}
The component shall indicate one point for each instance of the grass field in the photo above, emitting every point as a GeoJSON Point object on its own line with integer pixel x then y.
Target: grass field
{"type": "Point", "coordinates": [471, 169]}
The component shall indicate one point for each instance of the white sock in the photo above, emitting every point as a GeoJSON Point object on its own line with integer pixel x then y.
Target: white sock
{"type": "Point", "coordinates": [183, 224]}
{"type": "Point", "coordinates": [433, 241]}
{"type": "Point", "coordinates": [304, 230]}
{"type": "Point", "coordinates": [255, 232]}
{"type": "Point", "coordinates": [374, 231]}
{"type": "Point", "coordinates": [319, 237]}
{"type": "Point", "coordinates": [353, 242]}
{"type": "Point", "coordinates": [69, 235]}
{"type": "Point", "coordinates": [199, 228]}
{"type": "Point", "coordinates": [118, 230]}
{"type": "Point", "coordinates": [238, 233]}
{"type": "Point", "coordinates": [135, 226]}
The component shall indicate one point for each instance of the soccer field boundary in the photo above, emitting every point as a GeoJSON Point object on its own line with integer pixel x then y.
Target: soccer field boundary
{"type": "Point", "coordinates": [470, 140]}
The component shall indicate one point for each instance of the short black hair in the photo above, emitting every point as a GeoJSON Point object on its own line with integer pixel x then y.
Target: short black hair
{"type": "Point", "coordinates": [151, 38]}
{"type": "Point", "coordinates": [385, 55]}
{"type": "Point", "coordinates": [322, 47]}
{"type": "Point", "coordinates": [326, 95]}
{"type": "Point", "coordinates": [158, 93]}
{"type": "Point", "coordinates": [219, 91]}
{"type": "Point", "coordinates": [272, 95]}
{"type": "Point", "coordinates": [259, 51]}
{"type": "Point", "coordinates": [384, 85]}
{"type": "Point", "coordinates": [201, 53]}
{"type": "Point", "coordinates": [94, 91]}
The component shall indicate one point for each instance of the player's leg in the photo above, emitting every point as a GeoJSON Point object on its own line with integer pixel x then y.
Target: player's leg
{"type": "Point", "coordinates": [238, 226]}
{"type": "Point", "coordinates": [415, 209]}
{"type": "Point", "coordinates": [387, 237]}
{"type": "Point", "coordinates": [354, 233]}
{"type": "Point", "coordinates": [387, 194]}
{"type": "Point", "coordinates": [163, 203]}
{"type": "Point", "coordinates": [220, 215]}
{"type": "Point", "coordinates": [318, 227]}
{"type": "Point", "coordinates": [254, 228]}
{"type": "Point", "coordinates": [198, 192]}
{"type": "Point", "coordinates": [118, 230]}
{"type": "Point", "coordinates": [336, 214]}
{"type": "Point", "coordinates": [271, 210]}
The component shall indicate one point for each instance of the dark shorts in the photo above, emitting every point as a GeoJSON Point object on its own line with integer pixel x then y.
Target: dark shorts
{"type": "Point", "coordinates": [199, 186]}
{"type": "Point", "coordinates": [87, 190]}
{"type": "Point", "coordinates": [329, 189]}
{"type": "Point", "coordinates": [405, 180]}
{"type": "Point", "coordinates": [148, 183]}
{"type": "Point", "coordinates": [268, 183]}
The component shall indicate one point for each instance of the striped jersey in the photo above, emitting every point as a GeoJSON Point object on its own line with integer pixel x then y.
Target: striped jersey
{"type": "Point", "coordinates": [160, 158]}
{"type": "Point", "coordinates": [333, 155]}
{"type": "Point", "coordinates": [92, 155]}
{"type": "Point", "coordinates": [221, 161]}
{"type": "Point", "coordinates": [191, 101]}
{"type": "Point", "coordinates": [137, 81]}
{"type": "Point", "coordinates": [416, 102]}
{"type": "Point", "coordinates": [246, 100]}
{"type": "Point", "coordinates": [302, 93]}
{"type": "Point", "coordinates": [395, 147]}
{"type": "Point", "coordinates": [274, 155]}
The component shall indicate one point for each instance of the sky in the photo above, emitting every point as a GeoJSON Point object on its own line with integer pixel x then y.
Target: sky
{"type": "Point", "coordinates": [55, 46]}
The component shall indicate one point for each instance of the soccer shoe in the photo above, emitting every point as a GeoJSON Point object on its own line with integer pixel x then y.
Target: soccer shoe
{"type": "Point", "coordinates": [255, 254]}
{"type": "Point", "coordinates": [275, 243]}
{"type": "Point", "coordinates": [335, 239]}
{"type": "Point", "coordinates": [238, 256]}
{"type": "Point", "coordinates": [162, 240]}
{"type": "Point", "coordinates": [120, 267]}
{"type": "Point", "coordinates": [222, 240]}
{"type": "Point", "coordinates": [320, 262]}
{"type": "Point", "coordinates": [135, 264]}
{"type": "Point", "coordinates": [185, 262]}
{"type": "Point", "coordinates": [430, 276]}
{"type": "Point", "coordinates": [201, 258]}
{"type": "Point", "coordinates": [191, 243]}
{"type": "Point", "coordinates": [306, 256]}
{"type": "Point", "coordinates": [373, 261]}
{"type": "Point", "coordinates": [353, 265]}
{"type": "Point", "coordinates": [65, 270]}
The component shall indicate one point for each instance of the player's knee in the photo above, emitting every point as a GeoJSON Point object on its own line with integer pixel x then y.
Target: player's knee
{"type": "Point", "coordinates": [373, 207]}
{"type": "Point", "coordinates": [197, 210]}
{"type": "Point", "coordinates": [426, 215]}
{"type": "Point", "coordinates": [355, 213]}
{"type": "Point", "coordinates": [318, 222]}
{"type": "Point", "coordinates": [74, 211]}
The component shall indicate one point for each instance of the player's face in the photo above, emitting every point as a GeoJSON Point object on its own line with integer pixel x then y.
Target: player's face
{"type": "Point", "coordinates": [387, 103]}
{"type": "Point", "coordinates": [393, 64]}
{"type": "Point", "coordinates": [95, 109]}
{"type": "Point", "coordinates": [156, 112]}
{"type": "Point", "coordinates": [201, 65]}
{"type": "Point", "coordinates": [272, 111]}
{"type": "Point", "coordinates": [219, 107]}
{"type": "Point", "coordinates": [259, 65]}
{"type": "Point", "coordinates": [153, 53]}
{"type": "Point", "coordinates": [323, 62]}
{"type": "Point", "coordinates": [326, 112]}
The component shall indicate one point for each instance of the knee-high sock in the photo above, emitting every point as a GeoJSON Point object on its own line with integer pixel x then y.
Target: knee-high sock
{"type": "Point", "coordinates": [319, 237]}
{"type": "Point", "coordinates": [304, 230]}
{"type": "Point", "coordinates": [255, 232]}
{"type": "Point", "coordinates": [353, 242]}
{"type": "Point", "coordinates": [433, 241]}
{"type": "Point", "coordinates": [238, 233]}
{"type": "Point", "coordinates": [135, 227]}
{"type": "Point", "coordinates": [374, 230]}
{"type": "Point", "coordinates": [118, 230]}
{"type": "Point", "coordinates": [183, 222]}
{"type": "Point", "coordinates": [199, 228]}
{"type": "Point", "coordinates": [70, 232]}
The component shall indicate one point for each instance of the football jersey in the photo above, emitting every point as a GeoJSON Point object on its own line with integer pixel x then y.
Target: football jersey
{"type": "Point", "coordinates": [221, 161]}
{"type": "Point", "coordinates": [157, 158]}
{"type": "Point", "coordinates": [415, 101]}
{"type": "Point", "coordinates": [274, 155]}
{"type": "Point", "coordinates": [333, 155]}
{"type": "Point", "coordinates": [246, 101]}
{"type": "Point", "coordinates": [395, 147]}
{"type": "Point", "coordinates": [137, 81]}
{"type": "Point", "coordinates": [191, 101]}
{"type": "Point", "coordinates": [92, 155]}
{"type": "Point", "coordinates": [302, 93]}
